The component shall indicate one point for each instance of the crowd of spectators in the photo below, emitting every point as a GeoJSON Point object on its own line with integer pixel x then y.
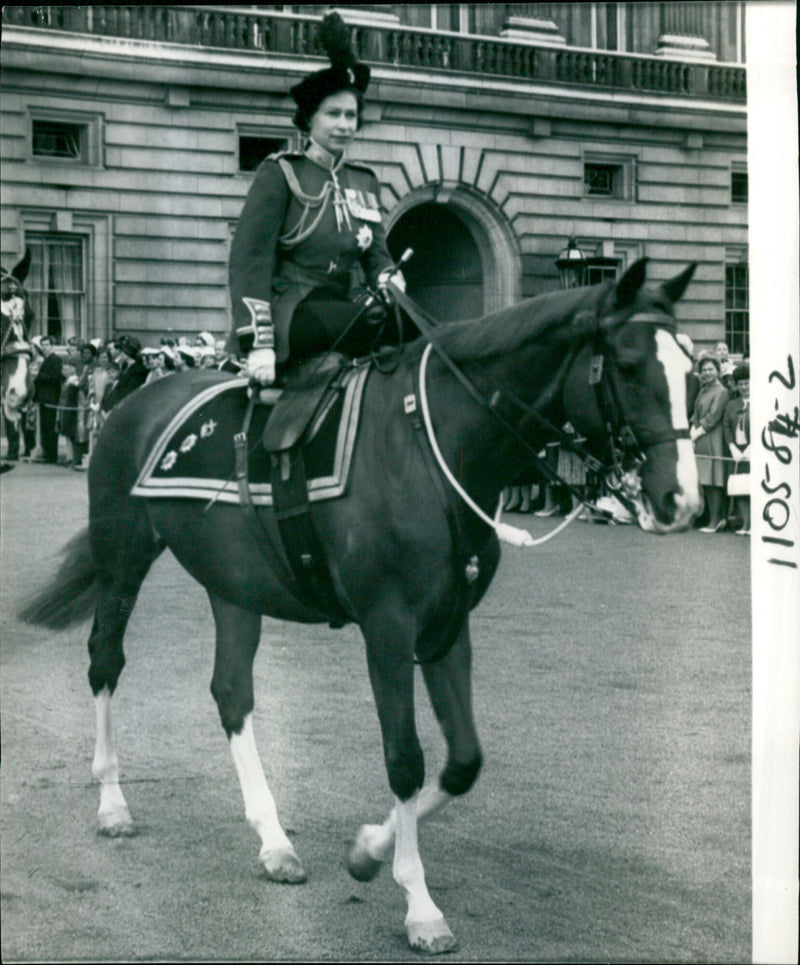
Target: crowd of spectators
{"type": "Point", "coordinates": [74, 387]}
{"type": "Point", "coordinates": [718, 410]}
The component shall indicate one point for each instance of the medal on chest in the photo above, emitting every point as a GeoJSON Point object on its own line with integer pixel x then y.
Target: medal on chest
{"type": "Point", "coordinates": [363, 205]}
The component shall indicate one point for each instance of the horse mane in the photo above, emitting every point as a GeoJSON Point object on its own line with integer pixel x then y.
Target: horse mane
{"type": "Point", "coordinates": [502, 332]}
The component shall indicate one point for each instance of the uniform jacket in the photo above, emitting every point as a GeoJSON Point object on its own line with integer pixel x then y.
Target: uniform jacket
{"type": "Point", "coordinates": [308, 222]}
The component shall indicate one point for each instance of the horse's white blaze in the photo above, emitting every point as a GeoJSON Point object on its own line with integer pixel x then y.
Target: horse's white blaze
{"type": "Point", "coordinates": [259, 804]}
{"type": "Point", "coordinates": [676, 367]}
{"type": "Point", "coordinates": [113, 810]}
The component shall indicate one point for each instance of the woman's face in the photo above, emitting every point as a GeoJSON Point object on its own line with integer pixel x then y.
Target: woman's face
{"type": "Point", "coordinates": [743, 385]}
{"type": "Point", "coordinates": [708, 373]}
{"type": "Point", "coordinates": [721, 351]}
{"type": "Point", "coordinates": [335, 121]}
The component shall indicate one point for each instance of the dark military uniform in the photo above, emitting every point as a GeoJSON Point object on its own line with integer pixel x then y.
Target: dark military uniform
{"type": "Point", "coordinates": [309, 223]}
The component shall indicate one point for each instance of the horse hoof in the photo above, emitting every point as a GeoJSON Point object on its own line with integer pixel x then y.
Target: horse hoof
{"type": "Point", "coordinates": [431, 937]}
{"type": "Point", "coordinates": [116, 824]}
{"type": "Point", "coordinates": [283, 866]}
{"type": "Point", "coordinates": [360, 863]}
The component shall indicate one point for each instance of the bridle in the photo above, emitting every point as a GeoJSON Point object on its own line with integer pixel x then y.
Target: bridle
{"type": "Point", "coordinates": [627, 451]}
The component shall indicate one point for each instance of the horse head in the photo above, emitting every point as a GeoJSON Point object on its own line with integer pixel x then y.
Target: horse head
{"type": "Point", "coordinates": [630, 356]}
{"type": "Point", "coordinates": [15, 349]}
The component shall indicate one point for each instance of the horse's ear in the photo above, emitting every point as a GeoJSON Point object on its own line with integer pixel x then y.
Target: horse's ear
{"type": "Point", "coordinates": [628, 286]}
{"type": "Point", "coordinates": [675, 287]}
{"type": "Point", "coordinates": [20, 270]}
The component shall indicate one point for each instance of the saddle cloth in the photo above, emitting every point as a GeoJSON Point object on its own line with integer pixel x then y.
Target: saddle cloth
{"type": "Point", "coordinates": [194, 457]}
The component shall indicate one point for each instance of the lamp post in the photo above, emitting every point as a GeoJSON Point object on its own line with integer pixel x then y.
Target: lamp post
{"type": "Point", "coordinates": [571, 264]}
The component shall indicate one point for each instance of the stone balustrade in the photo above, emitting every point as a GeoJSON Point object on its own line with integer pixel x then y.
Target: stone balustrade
{"type": "Point", "coordinates": [287, 34]}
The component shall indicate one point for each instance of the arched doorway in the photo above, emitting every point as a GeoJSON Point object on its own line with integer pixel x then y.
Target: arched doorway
{"type": "Point", "coordinates": [444, 276]}
{"type": "Point", "coordinates": [466, 261]}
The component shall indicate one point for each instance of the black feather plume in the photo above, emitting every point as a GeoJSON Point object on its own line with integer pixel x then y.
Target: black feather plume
{"type": "Point", "coordinates": [335, 39]}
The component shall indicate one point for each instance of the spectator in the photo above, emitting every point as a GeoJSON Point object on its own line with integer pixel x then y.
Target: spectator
{"type": "Point", "coordinates": [223, 360]}
{"type": "Point", "coordinates": [67, 419]}
{"type": "Point", "coordinates": [736, 434]}
{"type": "Point", "coordinates": [692, 378]}
{"type": "Point", "coordinates": [132, 372]}
{"type": "Point", "coordinates": [30, 415]}
{"type": "Point", "coordinates": [204, 340]}
{"type": "Point", "coordinates": [86, 398]}
{"type": "Point", "coordinates": [106, 399]}
{"type": "Point", "coordinates": [725, 367]}
{"type": "Point", "coordinates": [706, 434]}
{"type": "Point", "coordinates": [47, 390]}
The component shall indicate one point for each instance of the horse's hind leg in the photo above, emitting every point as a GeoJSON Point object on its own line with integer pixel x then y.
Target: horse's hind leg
{"type": "Point", "coordinates": [124, 556]}
{"type": "Point", "coordinates": [450, 689]}
{"type": "Point", "coordinates": [238, 633]}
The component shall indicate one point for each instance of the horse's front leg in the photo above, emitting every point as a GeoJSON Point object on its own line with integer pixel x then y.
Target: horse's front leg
{"type": "Point", "coordinates": [390, 655]}
{"type": "Point", "coordinates": [450, 688]}
{"type": "Point", "coordinates": [238, 633]}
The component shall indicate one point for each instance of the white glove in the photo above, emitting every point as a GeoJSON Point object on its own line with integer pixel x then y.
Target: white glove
{"type": "Point", "coordinates": [393, 275]}
{"type": "Point", "coordinates": [261, 366]}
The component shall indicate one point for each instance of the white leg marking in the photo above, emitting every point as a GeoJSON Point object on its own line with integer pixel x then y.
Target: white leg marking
{"type": "Point", "coordinates": [676, 367]}
{"type": "Point", "coordinates": [114, 818]}
{"type": "Point", "coordinates": [277, 854]}
{"type": "Point", "coordinates": [425, 925]}
{"type": "Point", "coordinates": [374, 842]}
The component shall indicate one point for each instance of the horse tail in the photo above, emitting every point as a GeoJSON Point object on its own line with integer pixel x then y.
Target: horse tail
{"type": "Point", "coordinates": [71, 595]}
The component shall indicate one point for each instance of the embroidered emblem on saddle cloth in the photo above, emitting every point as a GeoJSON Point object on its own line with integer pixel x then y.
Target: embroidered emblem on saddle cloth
{"type": "Point", "coordinates": [194, 457]}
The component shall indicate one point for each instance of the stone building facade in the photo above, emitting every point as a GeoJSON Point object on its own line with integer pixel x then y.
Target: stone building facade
{"type": "Point", "coordinates": [499, 131]}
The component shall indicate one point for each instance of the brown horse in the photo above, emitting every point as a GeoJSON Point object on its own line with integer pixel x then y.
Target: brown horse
{"type": "Point", "coordinates": [408, 556]}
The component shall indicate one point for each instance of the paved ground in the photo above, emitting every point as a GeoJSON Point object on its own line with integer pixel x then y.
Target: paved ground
{"type": "Point", "coordinates": [611, 821]}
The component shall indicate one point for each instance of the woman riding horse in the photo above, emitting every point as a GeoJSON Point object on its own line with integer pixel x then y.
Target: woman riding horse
{"type": "Point", "coordinates": [408, 557]}
{"type": "Point", "coordinates": [308, 222]}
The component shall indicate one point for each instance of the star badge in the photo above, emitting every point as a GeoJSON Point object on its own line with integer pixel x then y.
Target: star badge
{"type": "Point", "coordinates": [364, 237]}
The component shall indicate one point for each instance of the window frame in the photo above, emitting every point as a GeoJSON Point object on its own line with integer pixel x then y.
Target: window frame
{"type": "Point", "coordinates": [291, 140]}
{"type": "Point", "coordinates": [623, 167]}
{"type": "Point", "coordinates": [47, 241]}
{"type": "Point", "coordinates": [91, 126]}
{"type": "Point", "coordinates": [95, 230]}
{"type": "Point", "coordinates": [737, 317]}
{"type": "Point", "coordinates": [739, 168]}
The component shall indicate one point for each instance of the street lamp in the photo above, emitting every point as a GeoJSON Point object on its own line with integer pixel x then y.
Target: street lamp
{"type": "Point", "coordinates": [571, 264]}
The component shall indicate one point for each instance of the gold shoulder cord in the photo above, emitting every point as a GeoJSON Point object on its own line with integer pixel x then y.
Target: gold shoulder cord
{"type": "Point", "coordinates": [302, 229]}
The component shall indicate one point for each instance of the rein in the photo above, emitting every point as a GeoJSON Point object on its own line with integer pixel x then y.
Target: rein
{"type": "Point", "coordinates": [609, 405]}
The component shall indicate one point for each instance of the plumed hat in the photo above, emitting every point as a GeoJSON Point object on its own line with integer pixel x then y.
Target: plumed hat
{"type": "Point", "coordinates": [345, 72]}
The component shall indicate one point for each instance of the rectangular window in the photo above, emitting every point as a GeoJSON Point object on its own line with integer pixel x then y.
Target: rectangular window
{"type": "Point", "coordinates": [738, 184]}
{"type": "Point", "coordinates": [609, 176]}
{"type": "Point", "coordinates": [59, 140]}
{"type": "Point", "coordinates": [599, 270]}
{"type": "Point", "coordinates": [56, 285]}
{"type": "Point", "coordinates": [737, 307]}
{"type": "Point", "coordinates": [602, 180]}
{"type": "Point", "coordinates": [66, 137]}
{"type": "Point", "coordinates": [253, 149]}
